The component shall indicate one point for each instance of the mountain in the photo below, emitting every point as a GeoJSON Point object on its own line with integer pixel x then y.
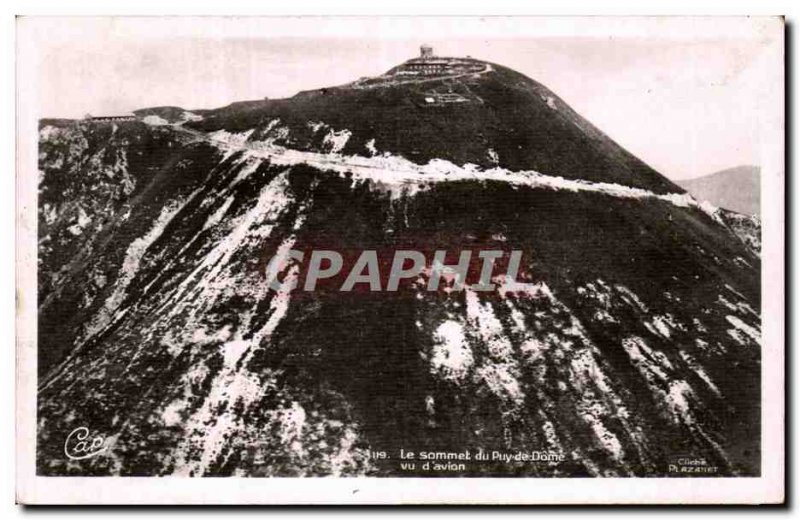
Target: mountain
{"type": "Point", "coordinates": [737, 189]}
{"type": "Point", "coordinates": [637, 342]}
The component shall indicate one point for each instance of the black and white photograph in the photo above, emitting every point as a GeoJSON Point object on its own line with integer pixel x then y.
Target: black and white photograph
{"type": "Point", "coordinates": [383, 250]}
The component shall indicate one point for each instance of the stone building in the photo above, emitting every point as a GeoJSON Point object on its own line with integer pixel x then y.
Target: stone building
{"type": "Point", "coordinates": [428, 64]}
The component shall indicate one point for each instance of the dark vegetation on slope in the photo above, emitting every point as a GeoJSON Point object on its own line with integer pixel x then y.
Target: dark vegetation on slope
{"type": "Point", "coordinates": [121, 180]}
{"type": "Point", "coordinates": [372, 347]}
{"type": "Point", "coordinates": [362, 358]}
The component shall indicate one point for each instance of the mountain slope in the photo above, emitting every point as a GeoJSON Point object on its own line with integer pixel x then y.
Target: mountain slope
{"type": "Point", "coordinates": [637, 343]}
{"type": "Point", "coordinates": [506, 120]}
{"type": "Point", "coordinates": [737, 189]}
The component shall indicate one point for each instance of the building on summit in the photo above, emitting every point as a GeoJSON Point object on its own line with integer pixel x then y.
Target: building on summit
{"type": "Point", "coordinates": [428, 64]}
{"type": "Point", "coordinates": [109, 119]}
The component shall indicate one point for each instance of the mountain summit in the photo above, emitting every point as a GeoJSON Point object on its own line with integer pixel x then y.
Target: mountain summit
{"type": "Point", "coordinates": [457, 109]}
{"type": "Point", "coordinates": [636, 342]}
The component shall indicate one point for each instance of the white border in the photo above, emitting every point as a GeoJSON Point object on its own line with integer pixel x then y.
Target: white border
{"type": "Point", "coordinates": [54, 490]}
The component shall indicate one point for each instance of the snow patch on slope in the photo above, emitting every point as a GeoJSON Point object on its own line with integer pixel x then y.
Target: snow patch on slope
{"type": "Point", "coordinates": [452, 356]}
{"type": "Point", "coordinates": [154, 120]}
{"type": "Point", "coordinates": [740, 325]}
{"type": "Point", "coordinates": [501, 372]}
{"type": "Point", "coordinates": [130, 265]}
{"type": "Point", "coordinates": [398, 172]}
{"type": "Point", "coordinates": [335, 141]}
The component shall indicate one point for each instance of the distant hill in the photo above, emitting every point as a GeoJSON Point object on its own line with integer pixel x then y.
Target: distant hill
{"type": "Point", "coordinates": [736, 189]}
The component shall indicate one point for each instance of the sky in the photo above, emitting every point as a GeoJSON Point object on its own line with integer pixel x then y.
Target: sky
{"type": "Point", "coordinates": [684, 95]}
